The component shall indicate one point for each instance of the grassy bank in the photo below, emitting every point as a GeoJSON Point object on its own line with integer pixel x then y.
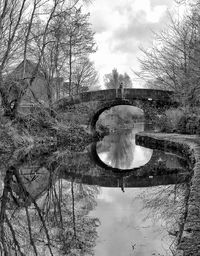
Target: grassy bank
{"type": "Point", "coordinates": [40, 127]}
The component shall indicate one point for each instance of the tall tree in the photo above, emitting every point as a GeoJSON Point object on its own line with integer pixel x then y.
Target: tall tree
{"type": "Point", "coordinates": [11, 18]}
{"type": "Point", "coordinates": [63, 34]}
{"type": "Point", "coordinates": [84, 76]}
{"type": "Point", "coordinates": [16, 37]}
{"type": "Point", "coordinates": [173, 63]}
{"type": "Point", "coordinates": [66, 55]}
{"type": "Point", "coordinates": [79, 41]}
{"type": "Point", "coordinates": [113, 80]}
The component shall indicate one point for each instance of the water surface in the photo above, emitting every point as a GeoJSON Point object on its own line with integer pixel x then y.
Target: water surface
{"type": "Point", "coordinates": [120, 151]}
{"type": "Point", "coordinates": [66, 203]}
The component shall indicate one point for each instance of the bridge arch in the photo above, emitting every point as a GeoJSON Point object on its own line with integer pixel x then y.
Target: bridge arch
{"type": "Point", "coordinates": [103, 106]}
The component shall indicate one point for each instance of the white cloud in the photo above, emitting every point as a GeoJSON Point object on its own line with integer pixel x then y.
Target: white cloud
{"type": "Point", "coordinates": [156, 14]}
{"type": "Point", "coordinates": [121, 27]}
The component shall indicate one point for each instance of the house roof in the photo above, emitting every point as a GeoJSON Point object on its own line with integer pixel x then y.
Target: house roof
{"type": "Point", "coordinates": [29, 69]}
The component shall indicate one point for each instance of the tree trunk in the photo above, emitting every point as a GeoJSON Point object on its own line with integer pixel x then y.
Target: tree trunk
{"type": "Point", "coordinates": [73, 209]}
{"type": "Point", "coordinates": [70, 65]}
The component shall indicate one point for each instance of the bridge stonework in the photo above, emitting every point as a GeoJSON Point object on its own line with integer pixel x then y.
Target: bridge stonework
{"type": "Point", "coordinates": [147, 107]}
{"type": "Point", "coordinates": [148, 100]}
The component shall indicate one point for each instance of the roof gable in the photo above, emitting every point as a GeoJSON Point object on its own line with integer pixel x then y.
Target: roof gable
{"type": "Point", "coordinates": [30, 66]}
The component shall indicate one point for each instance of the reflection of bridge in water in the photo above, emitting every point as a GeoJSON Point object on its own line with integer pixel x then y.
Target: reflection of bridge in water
{"type": "Point", "coordinates": [87, 168]}
{"type": "Point", "coordinates": [160, 170]}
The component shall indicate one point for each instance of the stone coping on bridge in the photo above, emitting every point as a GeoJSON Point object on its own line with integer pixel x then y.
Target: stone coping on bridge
{"type": "Point", "coordinates": [189, 146]}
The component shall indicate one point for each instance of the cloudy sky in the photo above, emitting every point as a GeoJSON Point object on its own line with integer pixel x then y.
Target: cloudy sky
{"type": "Point", "coordinates": [122, 26]}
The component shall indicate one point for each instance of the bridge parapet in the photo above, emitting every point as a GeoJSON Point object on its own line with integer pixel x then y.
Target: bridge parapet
{"type": "Point", "coordinates": [112, 94]}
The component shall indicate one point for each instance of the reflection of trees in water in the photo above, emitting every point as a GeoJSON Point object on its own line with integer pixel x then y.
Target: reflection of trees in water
{"type": "Point", "coordinates": [76, 231]}
{"type": "Point", "coordinates": [58, 223]}
{"type": "Point", "coordinates": [122, 151]}
{"type": "Point", "coordinates": [119, 148]}
{"type": "Point", "coordinates": [168, 205]}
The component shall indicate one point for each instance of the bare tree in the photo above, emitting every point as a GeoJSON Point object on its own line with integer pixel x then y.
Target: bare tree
{"type": "Point", "coordinates": [11, 18]}
{"type": "Point", "coordinates": [21, 37]}
{"type": "Point", "coordinates": [173, 62]}
{"type": "Point", "coordinates": [70, 40]}
{"type": "Point", "coordinates": [84, 76]}
{"type": "Point", "coordinates": [80, 42]}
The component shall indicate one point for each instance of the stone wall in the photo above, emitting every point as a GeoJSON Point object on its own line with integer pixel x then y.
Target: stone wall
{"type": "Point", "coordinates": [189, 146]}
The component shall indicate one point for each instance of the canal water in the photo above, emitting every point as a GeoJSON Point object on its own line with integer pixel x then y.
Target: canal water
{"type": "Point", "coordinates": [128, 226]}
{"type": "Point", "coordinates": [120, 151]}
{"type": "Point", "coordinates": [82, 208]}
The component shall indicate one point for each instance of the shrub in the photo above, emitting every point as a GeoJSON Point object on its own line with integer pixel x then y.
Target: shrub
{"type": "Point", "coordinates": [168, 122]}
{"type": "Point", "coordinates": [160, 123]}
{"type": "Point", "coordinates": [181, 127]}
{"type": "Point", "coordinates": [177, 120]}
{"type": "Point", "coordinates": [189, 124]}
{"type": "Point", "coordinates": [198, 126]}
{"type": "Point", "coordinates": [173, 117]}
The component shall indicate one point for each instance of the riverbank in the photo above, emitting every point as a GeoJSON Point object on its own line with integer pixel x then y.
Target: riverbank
{"type": "Point", "coordinates": [188, 236]}
{"type": "Point", "coordinates": [40, 128]}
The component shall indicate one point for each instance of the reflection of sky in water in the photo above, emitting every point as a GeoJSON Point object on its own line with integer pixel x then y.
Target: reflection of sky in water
{"type": "Point", "coordinates": [119, 150]}
{"type": "Point", "coordinates": [123, 225]}
{"type": "Point", "coordinates": [140, 157]}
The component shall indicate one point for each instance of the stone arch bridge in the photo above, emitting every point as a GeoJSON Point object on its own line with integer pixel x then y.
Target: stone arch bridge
{"type": "Point", "coordinates": [148, 100]}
